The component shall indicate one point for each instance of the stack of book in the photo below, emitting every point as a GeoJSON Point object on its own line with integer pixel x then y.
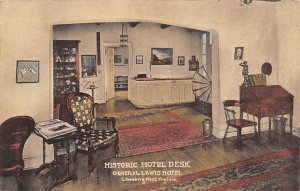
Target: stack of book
{"type": "Point", "coordinates": [54, 128]}
{"type": "Point", "coordinates": [257, 80]}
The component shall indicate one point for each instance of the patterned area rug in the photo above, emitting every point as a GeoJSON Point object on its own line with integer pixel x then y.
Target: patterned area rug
{"type": "Point", "coordinates": [168, 132]}
{"type": "Point", "coordinates": [275, 171]}
{"type": "Point", "coordinates": [146, 118]}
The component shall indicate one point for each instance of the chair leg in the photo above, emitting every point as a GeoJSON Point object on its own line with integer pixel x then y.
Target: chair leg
{"type": "Point", "coordinates": [256, 135]}
{"type": "Point", "coordinates": [75, 155]}
{"type": "Point", "coordinates": [225, 133]}
{"type": "Point", "coordinates": [239, 135]}
{"type": "Point", "coordinates": [90, 161]}
{"type": "Point", "coordinates": [116, 147]}
{"type": "Point", "coordinates": [19, 179]}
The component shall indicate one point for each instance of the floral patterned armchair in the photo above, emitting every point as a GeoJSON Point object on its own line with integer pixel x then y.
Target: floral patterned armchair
{"type": "Point", "coordinates": [90, 139]}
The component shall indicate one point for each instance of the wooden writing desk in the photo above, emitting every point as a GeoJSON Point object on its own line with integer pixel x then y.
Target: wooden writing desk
{"type": "Point", "coordinates": [267, 101]}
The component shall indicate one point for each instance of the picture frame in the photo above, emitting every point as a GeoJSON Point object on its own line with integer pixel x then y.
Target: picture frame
{"type": "Point", "coordinates": [88, 66]}
{"type": "Point", "coordinates": [181, 60]}
{"type": "Point", "coordinates": [193, 65]}
{"type": "Point", "coordinates": [118, 59]}
{"type": "Point", "coordinates": [27, 71]}
{"type": "Point", "coordinates": [238, 53]}
{"type": "Point", "coordinates": [161, 56]}
{"type": "Point", "coordinates": [126, 61]}
{"type": "Point", "coordinates": [139, 59]}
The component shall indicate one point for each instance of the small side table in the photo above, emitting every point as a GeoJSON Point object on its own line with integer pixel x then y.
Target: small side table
{"type": "Point", "coordinates": [92, 87]}
{"type": "Point", "coordinates": [56, 141]}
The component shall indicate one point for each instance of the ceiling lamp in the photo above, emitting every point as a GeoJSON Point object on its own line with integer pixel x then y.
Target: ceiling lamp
{"type": "Point", "coordinates": [245, 2]}
{"type": "Point", "coordinates": [124, 36]}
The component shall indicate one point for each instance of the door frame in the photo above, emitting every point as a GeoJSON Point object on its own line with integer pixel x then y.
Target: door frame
{"type": "Point", "coordinates": [130, 62]}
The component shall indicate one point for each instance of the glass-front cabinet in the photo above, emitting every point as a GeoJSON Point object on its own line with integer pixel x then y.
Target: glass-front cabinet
{"type": "Point", "coordinates": [65, 70]}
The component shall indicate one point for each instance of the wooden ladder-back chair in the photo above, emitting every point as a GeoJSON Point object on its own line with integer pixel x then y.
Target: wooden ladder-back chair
{"type": "Point", "coordinates": [231, 107]}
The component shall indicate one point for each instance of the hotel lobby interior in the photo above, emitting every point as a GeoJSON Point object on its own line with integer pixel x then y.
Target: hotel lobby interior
{"type": "Point", "coordinates": [136, 95]}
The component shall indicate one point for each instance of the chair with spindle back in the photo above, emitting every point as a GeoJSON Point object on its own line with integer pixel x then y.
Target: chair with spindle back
{"type": "Point", "coordinates": [231, 107]}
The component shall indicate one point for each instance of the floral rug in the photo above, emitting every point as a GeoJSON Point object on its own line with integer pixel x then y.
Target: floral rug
{"type": "Point", "coordinates": [146, 118]}
{"type": "Point", "coordinates": [274, 171]}
{"type": "Point", "coordinates": [168, 132]}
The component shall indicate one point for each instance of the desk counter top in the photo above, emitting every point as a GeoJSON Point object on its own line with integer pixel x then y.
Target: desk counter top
{"type": "Point", "coordinates": [156, 92]}
{"type": "Point", "coordinates": [156, 79]}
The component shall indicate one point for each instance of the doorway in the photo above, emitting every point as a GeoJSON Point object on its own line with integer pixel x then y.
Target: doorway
{"type": "Point", "coordinates": [117, 70]}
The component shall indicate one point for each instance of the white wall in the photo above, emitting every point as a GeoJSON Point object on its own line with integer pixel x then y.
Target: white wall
{"type": "Point", "coordinates": [289, 50]}
{"type": "Point", "coordinates": [26, 33]}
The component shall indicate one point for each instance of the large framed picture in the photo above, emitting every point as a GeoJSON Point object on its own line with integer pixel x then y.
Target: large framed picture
{"type": "Point", "coordinates": [161, 56]}
{"type": "Point", "coordinates": [88, 66]}
{"type": "Point", "coordinates": [139, 59]}
{"type": "Point", "coordinates": [27, 71]}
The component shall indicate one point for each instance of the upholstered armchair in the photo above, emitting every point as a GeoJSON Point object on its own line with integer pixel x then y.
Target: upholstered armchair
{"type": "Point", "coordinates": [13, 134]}
{"type": "Point", "coordinates": [90, 139]}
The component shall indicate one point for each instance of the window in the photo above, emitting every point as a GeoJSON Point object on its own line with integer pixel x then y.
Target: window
{"type": "Point", "coordinates": [206, 51]}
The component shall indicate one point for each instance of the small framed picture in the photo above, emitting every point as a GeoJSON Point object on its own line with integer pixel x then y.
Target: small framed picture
{"type": "Point", "coordinates": [238, 53]}
{"type": "Point", "coordinates": [194, 58]}
{"type": "Point", "coordinates": [27, 71]}
{"type": "Point", "coordinates": [181, 60]}
{"type": "Point", "coordinates": [125, 60]}
{"type": "Point", "coordinates": [89, 66]}
{"type": "Point", "coordinates": [118, 59]}
{"type": "Point", "coordinates": [139, 59]}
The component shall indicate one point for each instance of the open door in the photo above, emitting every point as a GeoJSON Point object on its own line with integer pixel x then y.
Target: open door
{"type": "Point", "coordinates": [109, 73]}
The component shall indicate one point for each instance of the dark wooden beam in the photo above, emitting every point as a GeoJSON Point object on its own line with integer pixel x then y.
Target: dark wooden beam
{"type": "Point", "coordinates": [134, 24]}
{"type": "Point", "coordinates": [164, 26]}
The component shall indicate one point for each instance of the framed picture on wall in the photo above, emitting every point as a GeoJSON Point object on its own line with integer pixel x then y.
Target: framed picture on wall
{"type": "Point", "coordinates": [139, 59]}
{"type": "Point", "coordinates": [125, 60]}
{"type": "Point", "coordinates": [238, 53]}
{"type": "Point", "coordinates": [181, 60]}
{"type": "Point", "coordinates": [27, 71]}
{"type": "Point", "coordinates": [118, 59]}
{"type": "Point", "coordinates": [88, 66]}
{"type": "Point", "coordinates": [161, 56]}
{"type": "Point", "coordinates": [193, 65]}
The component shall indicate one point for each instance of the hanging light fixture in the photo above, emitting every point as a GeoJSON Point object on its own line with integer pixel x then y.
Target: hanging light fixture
{"type": "Point", "coordinates": [124, 36]}
{"type": "Point", "coordinates": [245, 2]}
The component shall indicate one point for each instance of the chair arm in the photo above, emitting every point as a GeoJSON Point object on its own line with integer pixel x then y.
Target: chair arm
{"type": "Point", "coordinates": [230, 110]}
{"type": "Point", "coordinates": [107, 118]}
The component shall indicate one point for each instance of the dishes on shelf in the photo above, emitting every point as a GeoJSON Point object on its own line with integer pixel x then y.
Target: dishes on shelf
{"type": "Point", "coordinates": [65, 54]}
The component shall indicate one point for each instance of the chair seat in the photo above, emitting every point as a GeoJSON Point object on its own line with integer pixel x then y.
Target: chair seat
{"type": "Point", "coordinates": [240, 123]}
{"type": "Point", "coordinates": [97, 139]}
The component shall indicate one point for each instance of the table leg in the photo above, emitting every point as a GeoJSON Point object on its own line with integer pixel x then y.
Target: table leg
{"type": "Point", "coordinates": [270, 125]}
{"type": "Point", "coordinates": [291, 126]}
{"type": "Point", "coordinates": [44, 165]}
{"type": "Point", "coordinates": [258, 124]}
{"type": "Point", "coordinates": [55, 169]}
{"type": "Point", "coordinates": [67, 177]}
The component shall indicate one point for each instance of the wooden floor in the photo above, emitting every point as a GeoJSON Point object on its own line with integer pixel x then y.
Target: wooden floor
{"type": "Point", "coordinates": [216, 154]}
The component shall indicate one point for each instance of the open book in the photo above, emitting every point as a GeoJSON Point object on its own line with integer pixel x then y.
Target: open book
{"type": "Point", "coordinates": [54, 128]}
